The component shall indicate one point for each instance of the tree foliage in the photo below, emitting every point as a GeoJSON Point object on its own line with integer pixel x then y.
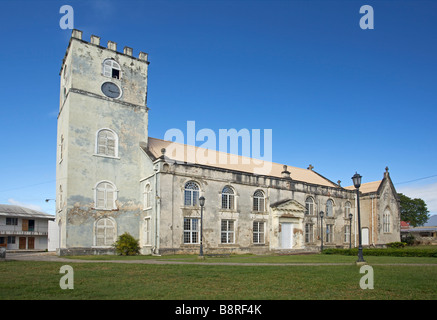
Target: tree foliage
{"type": "Point", "coordinates": [413, 211]}
{"type": "Point", "coordinates": [126, 245]}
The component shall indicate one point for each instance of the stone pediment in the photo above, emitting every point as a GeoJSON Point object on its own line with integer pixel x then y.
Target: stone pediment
{"type": "Point", "coordinates": [288, 208]}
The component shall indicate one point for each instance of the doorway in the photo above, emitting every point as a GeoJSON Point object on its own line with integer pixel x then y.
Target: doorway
{"type": "Point", "coordinates": [365, 235]}
{"type": "Point", "coordinates": [22, 243]}
{"type": "Point", "coordinates": [286, 235]}
{"type": "Point", "coordinates": [31, 243]}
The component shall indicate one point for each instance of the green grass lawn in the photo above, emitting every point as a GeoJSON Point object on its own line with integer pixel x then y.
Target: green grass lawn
{"type": "Point", "coordinates": [40, 280]}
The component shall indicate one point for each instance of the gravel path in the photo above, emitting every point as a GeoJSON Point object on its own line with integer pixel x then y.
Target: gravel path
{"type": "Point", "coordinates": [52, 257]}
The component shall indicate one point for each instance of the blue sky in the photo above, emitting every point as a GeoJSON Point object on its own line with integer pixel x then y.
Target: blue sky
{"type": "Point", "coordinates": [335, 96]}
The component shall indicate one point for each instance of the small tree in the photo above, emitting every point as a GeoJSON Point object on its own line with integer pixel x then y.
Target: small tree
{"type": "Point", "coordinates": [413, 210]}
{"type": "Point", "coordinates": [126, 245]}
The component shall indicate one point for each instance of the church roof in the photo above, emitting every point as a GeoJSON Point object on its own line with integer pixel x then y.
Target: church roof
{"type": "Point", "coordinates": [197, 155]}
{"type": "Point", "coordinates": [367, 187]}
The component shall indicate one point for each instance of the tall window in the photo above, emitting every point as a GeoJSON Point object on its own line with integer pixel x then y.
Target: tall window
{"type": "Point", "coordinates": [329, 233]}
{"type": "Point", "coordinates": [258, 201]}
{"type": "Point", "coordinates": [191, 230]}
{"type": "Point", "coordinates": [228, 198]}
{"type": "Point", "coordinates": [386, 221]}
{"type": "Point", "coordinates": [105, 196]}
{"type": "Point", "coordinates": [147, 196]}
{"type": "Point", "coordinates": [309, 205]}
{"type": "Point", "coordinates": [107, 143]}
{"type": "Point", "coordinates": [258, 232]}
{"type": "Point", "coordinates": [191, 194]}
{"type": "Point", "coordinates": [329, 208]}
{"type": "Point", "coordinates": [308, 233]}
{"type": "Point", "coordinates": [147, 234]}
{"type": "Point", "coordinates": [347, 209]}
{"type": "Point", "coordinates": [111, 69]}
{"type": "Point", "coordinates": [227, 231]}
{"type": "Point", "coordinates": [347, 233]}
{"type": "Point", "coordinates": [105, 232]}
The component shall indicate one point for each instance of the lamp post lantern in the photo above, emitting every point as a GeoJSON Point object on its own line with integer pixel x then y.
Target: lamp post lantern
{"type": "Point", "coordinates": [321, 230]}
{"type": "Point", "coordinates": [357, 183]}
{"type": "Point", "coordinates": [202, 203]}
{"type": "Point", "coordinates": [350, 230]}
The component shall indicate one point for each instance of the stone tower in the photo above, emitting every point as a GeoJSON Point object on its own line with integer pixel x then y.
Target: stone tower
{"type": "Point", "coordinates": [103, 118]}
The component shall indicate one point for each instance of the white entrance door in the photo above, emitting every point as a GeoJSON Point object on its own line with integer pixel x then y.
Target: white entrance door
{"type": "Point", "coordinates": [365, 235]}
{"type": "Point", "coordinates": [286, 235]}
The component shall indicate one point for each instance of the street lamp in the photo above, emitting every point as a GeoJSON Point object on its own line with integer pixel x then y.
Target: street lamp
{"type": "Point", "coordinates": [357, 183]}
{"type": "Point", "coordinates": [321, 230]}
{"type": "Point", "coordinates": [350, 230]}
{"type": "Point", "coordinates": [202, 203]}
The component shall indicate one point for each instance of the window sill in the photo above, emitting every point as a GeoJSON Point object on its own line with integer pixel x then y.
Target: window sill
{"type": "Point", "coordinates": [105, 156]}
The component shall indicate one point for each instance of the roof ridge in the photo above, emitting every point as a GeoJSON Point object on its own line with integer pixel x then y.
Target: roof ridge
{"type": "Point", "coordinates": [297, 172]}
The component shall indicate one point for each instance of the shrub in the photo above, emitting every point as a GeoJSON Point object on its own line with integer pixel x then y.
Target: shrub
{"type": "Point", "coordinates": [393, 252]}
{"type": "Point", "coordinates": [126, 245]}
{"type": "Point", "coordinates": [396, 244]}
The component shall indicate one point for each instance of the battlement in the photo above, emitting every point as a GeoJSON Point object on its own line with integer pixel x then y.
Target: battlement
{"type": "Point", "coordinates": [95, 40]}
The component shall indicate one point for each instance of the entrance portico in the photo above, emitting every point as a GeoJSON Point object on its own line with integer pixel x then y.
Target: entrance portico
{"type": "Point", "coordinates": [287, 225]}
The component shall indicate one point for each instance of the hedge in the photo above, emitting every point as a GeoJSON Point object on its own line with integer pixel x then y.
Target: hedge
{"type": "Point", "coordinates": [393, 252]}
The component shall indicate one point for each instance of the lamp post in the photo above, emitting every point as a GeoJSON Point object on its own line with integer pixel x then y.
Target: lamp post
{"type": "Point", "coordinates": [202, 203]}
{"type": "Point", "coordinates": [357, 183]}
{"type": "Point", "coordinates": [321, 230]}
{"type": "Point", "coordinates": [350, 230]}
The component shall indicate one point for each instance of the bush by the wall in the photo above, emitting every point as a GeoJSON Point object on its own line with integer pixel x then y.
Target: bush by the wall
{"type": "Point", "coordinates": [126, 245]}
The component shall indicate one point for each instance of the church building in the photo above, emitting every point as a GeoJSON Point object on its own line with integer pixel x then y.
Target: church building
{"type": "Point", "coordinates": [113, 178]}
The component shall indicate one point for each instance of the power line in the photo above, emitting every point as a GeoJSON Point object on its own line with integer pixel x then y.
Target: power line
{"type": "Point", "coordinates": [435, 175]}
{"type": "Point", "coordinates": [28, 186]}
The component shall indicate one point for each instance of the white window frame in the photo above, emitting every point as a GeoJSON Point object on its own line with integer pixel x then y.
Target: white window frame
{"type": "Point", "coordinates": [329, 232]}
{"type": "Point", "coordinates": [147, 231]}
{"type": "Point", "coordinates": [347, 233]}
{"type": "Point", "coordinates": [329, 213]}
{"type": "Point", "coordinates": [309, 206]}
{"type": "Point", "coordinates": [108, 223]}
{"type": "Point", "coordinates": [101, 193]}
{"type": "Point", "coordinates": [386, 221]}
{"type": "Point", "coordinates": [108, 66]}
{"type": "Point", "coordinates": [147, 196]}
{"type": "Point", "coordinates": [347, 209]}
{"type": "Point", "coordinates": [191, 194]}
{"type": "Point", "coordinates": [98, 144]}
{"type": "Point", "coordinates": [191, 233]}
{"type": "Point", "coordinates": [228, 198]}
{"type": "Point", "coordinates": [259, 232]}
{"type": "Point", "coordinates": [227, 231]}
{"type": "Point", "coordinates": [259, 201]}
{"type": "Point", "coordinates": [309, 233]}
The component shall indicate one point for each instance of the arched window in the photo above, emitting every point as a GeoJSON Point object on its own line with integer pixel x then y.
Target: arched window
{"type": "Point", "coordinates": [105, 232]}
{"type": "Point", "coordinates": [111, 69]}
{"type": "Point", "coordinates": [258, 201]}
{"type": "Point", "coordinates": [329, 208]}
{"type": "Point", "coordinates": [309, 205]}
{"type": "Point", "coordinates": [191, 194]}
{"type": "Point", "coordinates": [228, 198]}
{"type": "Point", "coordinates": [105, 196]}
{"type": "Point", "coordinates": [386, 221]}
{"type": "Point", "coordinates": [347, 209]}
{"type": "Point", "coordinates": [107, 143]}
{"type": "Point", "coordinates": [147, 196]}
